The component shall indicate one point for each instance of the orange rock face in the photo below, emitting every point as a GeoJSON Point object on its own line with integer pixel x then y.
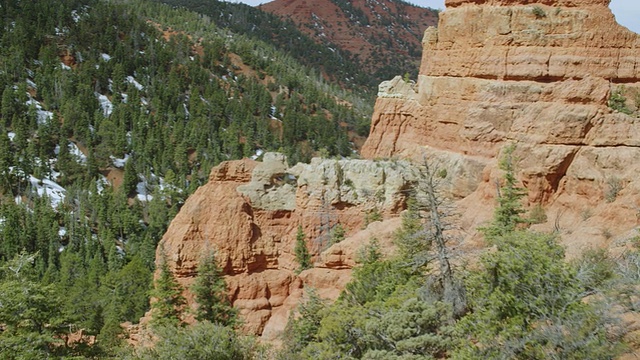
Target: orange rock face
{"type": "Point", "coordinates": [544, 75]}
{"type": "Point", "coordinates": [249, 212]}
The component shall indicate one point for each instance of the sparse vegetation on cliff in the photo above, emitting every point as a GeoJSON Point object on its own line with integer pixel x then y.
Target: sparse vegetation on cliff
{"type": "Point", "coordinates": [539, 12]}
{"type": "Point", "coordinates": [302, 252]}
{"type": "Point", "coordinates": [618, 102]}
{"type": "Point", "coordinates": [524, 300]}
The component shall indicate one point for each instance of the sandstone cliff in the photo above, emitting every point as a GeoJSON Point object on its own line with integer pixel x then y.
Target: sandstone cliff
{"type": "Point", "coordinates": [544, 75]}
{"type": "Point", "coordinates": [249, 212]}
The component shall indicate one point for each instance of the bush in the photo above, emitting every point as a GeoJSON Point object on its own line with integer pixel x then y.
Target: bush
{"type": "Point", "coordinates": [618, 102]}
{"type": "Point", "coordinates": [613, 187]}
{"type": "Point", "coordinates": [372, 215]}
{"type": "Point", "coordinates": [527, 303]}
{"type": "Point", "coordinates": [337, 234]}
{"type": "Point", "coordinates": [537, 215]}
{"type": "Point", "coordinates": [538, 12]}
{"type": "Point", "coordinates": [201, 341]}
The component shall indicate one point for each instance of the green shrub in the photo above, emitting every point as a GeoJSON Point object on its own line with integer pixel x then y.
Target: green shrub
{"type": "Point", "coordinates": [538, 12]}
{"type": "Point", "coordinates": [618, 102]}
{"type": "Point", "coordinates": [337, 234]}
{"type": "Point", "coordinates": [372, 216]}
{"type": "Point", "coordinates": [203, 340]}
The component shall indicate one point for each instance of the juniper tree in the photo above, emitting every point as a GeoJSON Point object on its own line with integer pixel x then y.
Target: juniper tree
{"type": "Point", "coordinates": [527, 302]}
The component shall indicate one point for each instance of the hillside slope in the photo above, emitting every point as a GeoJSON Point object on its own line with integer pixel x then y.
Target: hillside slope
{"type": "Point", "coordinates": [384, 36]}
{"type": "Point", "coordinates": [112, 113]}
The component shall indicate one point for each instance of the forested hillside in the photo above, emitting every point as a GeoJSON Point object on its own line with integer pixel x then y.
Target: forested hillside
{"type": "Point", "coordinates": [383, 37]}
{"type": "Point", "coordinates": [339, 65]}
{"type": "Point", "coordinates": [112, 113]}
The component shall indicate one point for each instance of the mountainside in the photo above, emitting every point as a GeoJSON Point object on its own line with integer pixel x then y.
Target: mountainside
{"type": "Point", "coordinates": [142, 199]}
{"type": "Point", "coordinates": [111, 114]}
{"type": "Point", "coordinates": [334, 64]}
{"type": "Point", "coordinates": [384, 36]}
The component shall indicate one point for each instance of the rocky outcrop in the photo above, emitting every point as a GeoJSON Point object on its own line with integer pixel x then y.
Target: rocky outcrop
{"type": "Point", "coordinates": [249, 212]}
{"type": "Point", "coordinates": [560, 79]}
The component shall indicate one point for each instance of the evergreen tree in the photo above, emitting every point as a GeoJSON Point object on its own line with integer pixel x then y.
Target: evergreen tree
{"type": "Point", "coordinates": [168, 301]}
{"type": "Point", "coordinates": [201, 341]}
{"type": "Point", "coordinates": [527, 303]}
{"type": "Point", "coordinates": [210, 293]}
{"type": "Point", "coordinates": [303, 329]}
{"type": "Point", "coordinates": [508, 214]}
{"type": "Point", "coordinates": [301, 251]}
{"type": "Point", "coordinates": [131, 179]}
{"type": "Point", "coordinates": [29, 314]}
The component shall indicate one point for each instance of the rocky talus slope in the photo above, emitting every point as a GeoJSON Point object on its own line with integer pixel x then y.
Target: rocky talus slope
{"type": "Point", "coordinates": [559, 79]}
{"type": "Point", "coordinates": [249, 213]}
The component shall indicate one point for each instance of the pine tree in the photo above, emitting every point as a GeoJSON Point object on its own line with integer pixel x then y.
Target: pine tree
{"type": "Point", "coordinates": [167, 308]}
{"type": "Point", "coordinates": [29, 314]}
{"type": "Point", "coordinates": [507, 215]}
{"type": "Point", "coordinates": [302, 253]}
{"type": "Point", "coordinates": [210, 292]}
{"type": "Point", "coordinates": [303, 329]}
{"type": "Point", "coordinates": [131, 179]}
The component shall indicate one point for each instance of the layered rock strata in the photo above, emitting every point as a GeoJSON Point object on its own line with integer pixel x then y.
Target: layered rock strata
{"type": "Point", "coordinates": [248, 214]}
{"type": "Point", "coordinates": [545, 75]}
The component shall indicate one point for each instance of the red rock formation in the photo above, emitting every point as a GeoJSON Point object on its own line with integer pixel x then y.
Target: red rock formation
{"type": "Point", "coordinates": [249, 212]}
{"type": "Point", "coordinates": [538, 74]}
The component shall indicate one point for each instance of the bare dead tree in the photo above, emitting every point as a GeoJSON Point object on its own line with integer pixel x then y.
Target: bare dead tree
{"type": "Point", "coordinates": [436, 211]}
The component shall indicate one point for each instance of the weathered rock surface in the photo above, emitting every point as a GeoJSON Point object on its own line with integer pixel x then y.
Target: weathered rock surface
{"type": "Point", "coordinates": [539, 74]}
{"type": "Point", "coordinates": [249, 212]}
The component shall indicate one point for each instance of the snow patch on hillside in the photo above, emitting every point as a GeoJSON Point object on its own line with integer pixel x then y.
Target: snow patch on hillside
{"type": "Point", "coordinates": [105, 104]}
{"type": "Point", "coordinates": [77, 154]}
{"type": "Point", "coordinates": [43, 115]}
{"type": "Point", "coordinates": [54, 192]}
{"type": "Point", "coordinates": [133, 81]}
{"type": "Point", "coordinates": [119, 163]}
